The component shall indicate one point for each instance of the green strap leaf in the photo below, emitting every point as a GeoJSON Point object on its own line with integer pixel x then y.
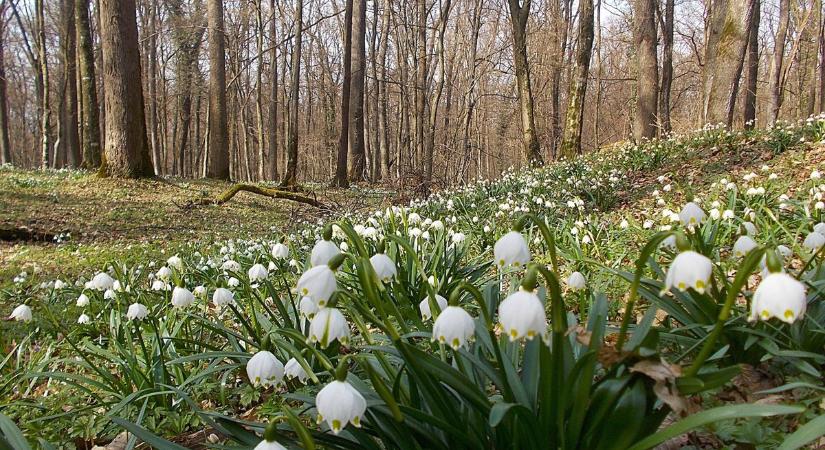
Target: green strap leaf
{"type": "Point", "coordinates": [806, 434]}
{"type": "Point", "coordinates": [146, 436]}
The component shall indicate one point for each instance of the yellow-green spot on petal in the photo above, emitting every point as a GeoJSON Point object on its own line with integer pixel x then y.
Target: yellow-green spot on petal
{"type": "Point", "coordinates": [682, 286]}
{"type": "Point", "coordinates": [456, 343]}
{"type": "Point", "coordinates": [336, 425]}
{"type": "Point", "coordinates": [788, 314]}
{"type": "Point", "coordinates": [700, 284]}
{"type": "Point", "coordinates": [766, 314]}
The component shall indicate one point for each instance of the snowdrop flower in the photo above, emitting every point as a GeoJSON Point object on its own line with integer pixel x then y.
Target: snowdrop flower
{"type": "Point", "coordinates": [458, 238]}
{"type": "Point", "coordinates": [338, 403]}
{"type": "Point", "coordinates": [137, 311]}
{"type": "Point", "coordinates": [182, 297]}
{"type": "Point", "coordinates": [749, 228]}
{"type": "Point", "coordinates": [175, 261]}
{"type": "Point", "coordinates": [233, 282]}
{"type": "Point", "coordinates": [689, 270]}
{"type": "Point", "coordinates": [164, 273]}
{"type": "Point", "coordinates": [728, 214]}
{"type": "Point", "coordinates": [323, 251]}
{"type": "Point", "coordinates": [691, 215]}
{"type": "Point", "coordinates": [231, 266]}
{"type": "Point", "coordinates": [384, 267]}
{"type": "Point", "coordinates": [576, 281]}
{"type": "Point", "coordinates": [624, 224]}
{"type": "Point", "coordinates": [814, 241]}
{"type": "Point", "coordinates": [269, 445]}
{"type": "Point", "coordinates": [158, 285]}
{"type": "Point", "coordinates": [280, 251]}
{"type": "Point", "coordinates": [21, 314]}
{"type": "Point", "coordinates": [511, 250]}
{"type": "Point", "coordinates": [308, 307]}
{"type": "Point", "coordinates": [743, 246]}
{"type": "Point", "coordinates": [328, 325]}
{"type": "Point", "coordinates": [819, 228]}
{"type": "Point", "coordinates": [82, 301]}
{"type": "Point", "coordinates": [318, 283]}
{"type": "Point", "coordinates": [424, 306]}
{"type": "Point", "coordinates": [779, 295]}
{"type": "Point", "coordinates": [715, 214]}
{"type": "Point", "coordinates": [453, 327]}
{"type": "Point", "coordinates": [521, 315]}
{"type": "Point", "coordinates": [257, 273]}
{"type": "Point", "coordinates": [109, 294]}
{"type": "Point", "coordinates": [294, 369]}
{"type": "Point", "coordinates": [59, 284]}
{"type": "Point", "coordinates": [223, 296]}
{"type": "Point", "coordinates": [200, 291]}
{"type": "Point", "coordinates": [83, 319]}
{"type": "Point", "coordinates": [101, 282]}
{"type": "Point", "coordinates": [264, 369]}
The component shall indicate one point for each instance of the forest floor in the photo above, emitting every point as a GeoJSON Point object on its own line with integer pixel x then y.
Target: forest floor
{"type": "Point", "coordinates": [61, 222]}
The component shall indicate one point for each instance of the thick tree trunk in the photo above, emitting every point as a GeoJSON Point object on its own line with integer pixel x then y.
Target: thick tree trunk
{"type": "Point", "coordinates": [290, 179]}
{"type": "Point", "coordinates": [273, 95]}
{"type": "Point", "coordinates": [127, 151]}
{"type": "Point", "coordinates": [5, 145]}
{"type": "Point", "coordinates": [70, 139]}
{"type": "Point", "coordinates": [571, 142]}
{"type": "Point", "coordinates": [341, 179]}
{"type": "Point", "coordinates": [752, 66]}
{"type": "Point", "coordinates": [218, 164]}
{"type": "Point", "coordinates": [777, 61]}
{"type": "Point", "coordinates": [647, 79]}
{"type": "Point", "coordinates": [667, 67]}
{"type": "Point", "coordinates": [724, 57]}
{"type": "Point", "coordinates": [358, 171]}
{"type": "Point", "coordinates": [90, 126]}
{"type": "Point", "coordinates": [518, 21]}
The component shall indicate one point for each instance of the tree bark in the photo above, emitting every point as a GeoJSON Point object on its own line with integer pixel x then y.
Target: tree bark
{"type": "Point", "coordinates": [752, 65]}
{"type": "Point", "coordinates": [5, 145]}
{"type": "Point", "coordinates": [273, 96]}
{"type": "Point", "coordinates": [518, 21]}
{"type": "Point", "coordinates": [290, 179]}
{"type": "Point", "coordinates": [383, 113]}
{"type": "Point", "coordinates": [358, 172]}
{"type": "Point", "coordinates": [571, 142]}
{"type": "Point", "coordinates": [667, 67]}
{"type": "Point", "coordinates": [70, 139]}
{"type": "Point", "coordinates": [647, 81]}
{"type": "Point", "coordinates": [777, 61]}
{"type": "Point", "coordinates": [218, 164]}
{"type": "Point", "coordinates": [90, 126]}
{"type": "Point", "coordinates": [126, 151]}
{"type": "Point", "coordinates": [44, 104]}
{"type": "Point", "coordinates": [341, 179]}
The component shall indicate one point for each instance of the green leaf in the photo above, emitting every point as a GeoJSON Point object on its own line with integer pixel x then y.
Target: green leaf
{"type": "Point", "coordinates": [806, 434]}
{"type": "Point", "coordinates": [711, 416]}
{"type": "Point", "coordinates": [146, 436]}
{"type": "Point", "coordinates": [12, 434]}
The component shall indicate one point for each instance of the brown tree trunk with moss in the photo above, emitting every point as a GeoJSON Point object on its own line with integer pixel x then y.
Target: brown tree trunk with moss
{"type": "Point", "coordinates": [5, 145]}
{"type": "Point", "coordinates": [519, 13]}
{"type": "Point", "coordinates": [571, 141]}
{"type": "Point", "coordinates": [90, 123]}
{"type": "Point", "coordinates": [126, 152]}
{"type": "Point", "coordinates": [218, 163]}
{"type": "Point", "coordinates": [290, 179]}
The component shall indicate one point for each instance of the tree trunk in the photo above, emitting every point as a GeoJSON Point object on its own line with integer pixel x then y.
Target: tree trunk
{"type": "Point", "coordinates": [259, 90]}
{"type": "Point", "coordinates": [724, 57]}
{"type": "Point", "coordinates": [667, 68]}
{"type": "Point", "coordinates": [777, 61]}
{"type": "Point", "coordinates": [70, 138]}
{"type": "Point", "coordinates": [5, 145]}
{"type": "Point", "coordinates": [126, 152]}
{"type": "Point", "coordinates": [341, 179]}
{"type": "Point", "coordinates": [45, 107]}
{"type": "Point", "coordinates": [218, 165]}
{"type": "Point", "coordinates": [571, 142]}
{"type": "Point", "coordinates": [752, 65]}
{"type": "Point", "coordinates": [383, 114]}
{"type": "Point", "coordinates": [356, 98]}
{"type": "Point", "coordinates": [647, 81]}
{"type": "Point", "coordinates": [273, 96]}
{"type": "Point", "coordinates": [420, 80]}
{"type": "Point", "coordinates": [90, 126]}
{"type": "Point", "coordinates": [518, 21]}
{"type": "Point", "coordinates": [290, 179]}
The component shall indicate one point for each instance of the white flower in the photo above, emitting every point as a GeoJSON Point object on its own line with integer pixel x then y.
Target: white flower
{"type": "Point", "coordinates": [819, 228]}
{"type": "Point", "coordinates": [384, 267]}
{"type": "Point", "coordinates": [257, 273]}
{"type": "Point", "coordinates": [624, 224]}
{"type": "Point", "coordinates": [328, 325]}
{"type": "Point", "coordinates": [784, 251]}
{"type": "Point", "coordinates": [233, 282]}
{"type": "Point", "coordinates": [269, 445]}
{"type": "Point", "coordinates": [743, 246]}
{"type": "Point", "coordinates": [424, 306]}
{"type": "Point", "coordinates": [779, 295]}
{"type": "Point", "coordinates": [101, 282]}
{"type": "Point", "coordinates": [749, 227]}
{"type": "Point", "coordinates": [223, 296]}
{"type": "Point", "coordinates": [294, 369]}
{"type": "Point", "coordinates": [338, 403]}
{"type": "Point", "coordinates": [200, 291]}
{"type": "Point", "coordinates": [691, 215]}
{"type": "Point", "coordinates": [59, 284]}
{"type": "Point", "coordinates": [231, 266]}
{"type": "Point", "coordinates": [21, 314]}
{"type": "Point", "coordinates": [159, 285]}
{"type": "Point", "coordinates": [814, 241]}
{"type": "Point", "coordinates": [182, 297]}
{"type": "Point", "coordinates": [264, 369]}
{"type": "Point", "coordinates": [521, 315]}
{"type": "Point", "coordinates": [511, 249]}
{"type": "Point", "coordinates": [689, 270]}
{"type": "Point", "coordinates": [137, 311]}
{"type": "Point", "coordinates": [323, 252]}
{"type": "Point", "coordinates": [458, 238]}
{"type": "Point", "coordinates": [576, 281]}
{"type": "Point", "coordinates": [164, 273]}
{"type": "Point", "coordinates": [715, 214]}
{"type": "Point", "coordinates": [109, 294]}
{"type": "Point", "coordinates": [413, 218]}
{"type": "Point", "coordinates": [83, 319]}
{"type": "Point", "coordinates": [318, 283]}
{"type": "Point", "coordinates": [308, 307]}
{"type": "Point", "coordinates": [815, 175]}
{"type": "Point", "coordinates": [82, 301]}
{"type": "Point", "coordinates": [175, 261]}
{"type": "Point", "coordinates": [728, 214]}
{"type": "Point", "coordinates": [280, 251]}
{"type": "Point", "coordinates": [453, 327]}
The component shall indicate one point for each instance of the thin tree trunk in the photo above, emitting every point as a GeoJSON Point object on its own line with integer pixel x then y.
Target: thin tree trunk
{"type": "Point", "coordinates": [290, 179]}
{"type": "Point", "coordinates": [571, 142]}
{"type": "Point", "coordinates": [777, 61]}
{"type": "Point", "coordinates": [341, 179]}
{"type": "Point", "coordinates": [420, 80]}
{"type": "Point", "coordinates": [667, 67]}
{"type": "Point", "coordinates": [70, 138]}
{"type": "Point", "coordinates": [5, 145]}
{"type": "Point", "coordinates": [273, 96]}
{"type": "Point", "coordinates": [259, 90]}
{"type": "Point", "coordinates": [383, 115]}
{"type": "Point", "coordinates": [647, 82]}
{"type": "Point", "coordinates": [518, 21]}
{"type": "Point", "coordinates": [45, 108]}
{"type": "Point", "coordinates": [358, 67]}
{"type": "Point", "coordinates": [218, 165]}
{"type": "Point", "coordinates": [90, 127]}
{"type": "Point", "coordinates": [749, 110]}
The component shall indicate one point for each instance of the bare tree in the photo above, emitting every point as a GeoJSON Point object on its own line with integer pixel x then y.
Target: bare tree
{"type": "Point", "coordinates": [273, 95]}
{"type": "Point", "coordinates": [341, 179]}
{"type": "Point", "coordinates": [519, 13]}
{"type": "Point", "coordinates": [5, 145]}
{"type": "Point", "coordinates": [290, 179]}
{"type": "Point", "coordinates": [778, 61]}
{"type": "Point", "coordinates": [571, 142]}
{"type": "Point", "coordinates": [90, 123]}
{"type": "Point", "coordinates": [666, 24]}
{"type": "Point", "coordinates": [647, 79]}
{"type": "Point", "coordinates": [218, 157]}
{"type": "Point", "coordinates": [752, 66]}
{"type": "Point", "coordinates": [358, 172]}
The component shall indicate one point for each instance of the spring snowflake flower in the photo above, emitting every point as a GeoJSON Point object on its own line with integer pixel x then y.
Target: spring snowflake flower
{"type": "Point", "coordinates": [338, 403]}
{"type": "Point", "coordinates": [814, 241]}
{"type": "Point", "coordinates": [715, 214]}
{"type": "Point", "coordinates": [521, 315]}
{"type": "Point", "coordinates": [815, 175]}
{"type": "Point", "coordinates": [269, 445]}
{"type": "Point", "coordinates": [137, 311]}
{"type": "Point", "coordinates": [200, 291]}
{"type": "Point", "coordinates": [175, 261]}
{"type": "Point", "coordinates": [82, 301]}
{"type": "Point", "coordinates": [328, 325]}
{"type": "Point", "coordinates": [294, 369]}
{"type": "Point", "coordinates": [164, 273]}
{"type": "Point", "coordinates": [691, 215]}
{"type": "Point", "coordinates": [223, 296]}
{"type": "Point", "coordinates": [318, 283]}
{"type": "Point", "coordinates": [689, 270]}
{"type": "Point", "coordinates": [458, 238]}
{"type": "Point", "coordinates": [182, 297]}
{"type": "Point", "coordinates": [779, 295]}
{"type": "Point", "coordinates": [308, 307]}
{"type": "Point", "coordinates": [280, 251]}
{"type": "Point", "coordinates": [384, 267]}
{"type": "Point", "coordinates": [819, 228]}
{"type": "Point", "coordinates": [322, 252]}
{"type": "Point", "coordinates": [59, 284]}
{"type": "Point", "coordinates": [424, 306]}
{"type": "Point", "coordinates": [728, 214]}
{"type": "Point", "coordinates": [750, 228]}
{"type": "Point", "coordinates": [101, 282]}
{"type": "Point", "coordinates": [23, 313]}
{"type": "Point", "coordinates": [511, 250]}
{"type": "Point", "coordinates": [264, 369]}
{"type": "Point", "coordinates": [624, 224]}
{"type": "Point", "coordinates": [414, 218]}
{"type": "Point", "coordinates": [743, 246]}
{"type": "Point", "coordinates": [83, 319]}
{"type": "Point", "coordinates": [576, 281]}
{"type": "Point", "coordinates": [454, 326]}
{"type": "Point", "coordinates": [231, 266]}
{"type": "Point", "coordinates": [257, 273]}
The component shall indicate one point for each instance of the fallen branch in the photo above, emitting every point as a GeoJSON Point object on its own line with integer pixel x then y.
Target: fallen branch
{"type": "Point", "coordinates": [266, 192]}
